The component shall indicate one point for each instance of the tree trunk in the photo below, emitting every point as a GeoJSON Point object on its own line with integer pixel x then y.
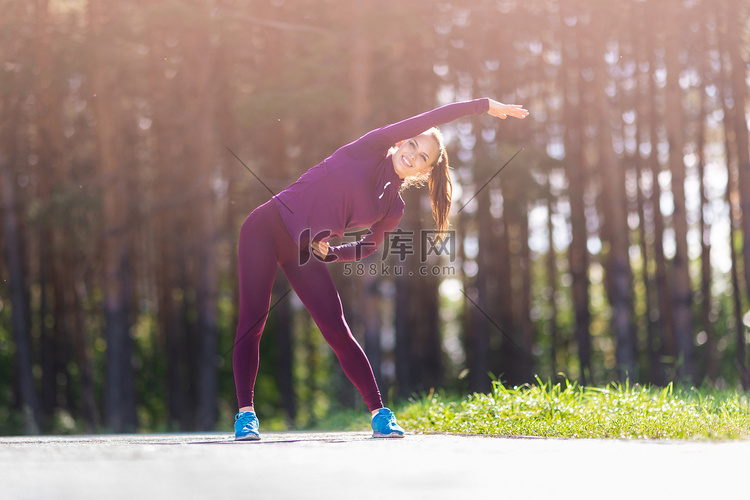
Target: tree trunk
{"type": "Point", "coordinates": [467, 317]}
{"type": "Point", "coordinates": [408, 367]}
{"type": "Point", "coordinates": [739, 98]}
{"type": "Point", "coordinates": [651, 309]}
{"type": "Point", "coordinates": [204, 71]}
{"type": "Point", "coordinates": [50, 165]}
{"type": "Point", "coordinates": [682, 292]}
{"type": "Point", "coordinates": [168, 234]}
{"type": "Point", "coordinates": [663, 286]}
{"type": "Point", "coordinates": [70, 297]}
{"type": "Point", "coordinates": [512, 300]}
{"type": "Point", "coordinates": [10, 121]}
{"type": "Point", "coordinates": [646, 205]}
{"type": "Point", "coordinates": [526, 361]}
{"type": "Point", "coordinates": [614, 201]}
{"type": "Point", "coordinates": [578, 255]}
{"type": "Point", "coordinates": [285, 349]}
{"type": "Point", "coordinates": [482, 327]}
{"type": "Point", "coordinates": [20, 307]}
{"type": "Point", "coordinates": [11, 103]}
{"type": "Point", "coordinates": [711, 358]}
{"type": "Point", "coordinates": [552, 282]}
{"type": "Point", "coordinates": [734, 125]}
{"type": "Point", "coordinates": [119, 403]}
{"type": "Point", "coordinates": [734, 221]}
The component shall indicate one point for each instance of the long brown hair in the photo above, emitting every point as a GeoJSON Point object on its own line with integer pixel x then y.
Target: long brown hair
{"type": "Point", "coordinates": [439, 183]}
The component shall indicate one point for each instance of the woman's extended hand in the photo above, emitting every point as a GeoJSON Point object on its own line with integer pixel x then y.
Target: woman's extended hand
{"type": "Point", "coordinates": [320, 248]}
{"type": "Point", "coordinates": [503, 111]}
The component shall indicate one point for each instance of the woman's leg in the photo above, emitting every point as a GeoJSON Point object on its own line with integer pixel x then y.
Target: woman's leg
{"type": "Point", "coordinates": [257, 270]}
{"type": "Point", "coordinates": [315, 288]}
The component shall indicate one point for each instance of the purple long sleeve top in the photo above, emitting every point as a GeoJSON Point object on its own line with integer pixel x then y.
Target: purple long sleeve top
{"type": "Point", "coordinates": [357, 186]}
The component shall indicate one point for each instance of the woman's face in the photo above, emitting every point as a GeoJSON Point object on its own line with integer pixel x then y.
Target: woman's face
{"type": "Point", "coordinates": [416, 155]}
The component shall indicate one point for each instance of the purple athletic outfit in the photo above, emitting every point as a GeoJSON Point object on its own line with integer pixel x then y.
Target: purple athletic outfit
{"type": "Point", "coordinates": [354, 187]}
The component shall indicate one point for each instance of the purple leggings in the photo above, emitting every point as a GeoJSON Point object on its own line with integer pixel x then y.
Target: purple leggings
{"type": "Point", "coordinates": [264, 244]}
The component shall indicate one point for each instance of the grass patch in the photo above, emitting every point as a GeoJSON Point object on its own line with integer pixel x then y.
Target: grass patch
{"type": "Point", "coordinates": [571, 411]}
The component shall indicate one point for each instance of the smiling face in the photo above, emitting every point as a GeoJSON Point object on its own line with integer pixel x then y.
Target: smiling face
{"type": "Point", "coordinates": [415, 155]}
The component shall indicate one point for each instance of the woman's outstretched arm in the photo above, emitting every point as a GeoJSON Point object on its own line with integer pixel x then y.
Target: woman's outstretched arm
{"type": "Point", "coordinates": [387, 136]}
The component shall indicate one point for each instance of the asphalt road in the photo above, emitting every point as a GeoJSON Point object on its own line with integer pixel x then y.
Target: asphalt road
{"type": "Point", "coordinates": [349, 465]}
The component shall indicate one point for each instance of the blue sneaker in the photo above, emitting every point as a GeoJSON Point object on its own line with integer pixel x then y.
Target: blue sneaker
{"type": "Point", "coordinates": [246, 426]}
{"type": "Point", "coordinates": [384, 425]}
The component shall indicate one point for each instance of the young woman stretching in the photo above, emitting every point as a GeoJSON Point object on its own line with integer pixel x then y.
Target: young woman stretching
{"type": "Point", "coordinates": [357, 186]}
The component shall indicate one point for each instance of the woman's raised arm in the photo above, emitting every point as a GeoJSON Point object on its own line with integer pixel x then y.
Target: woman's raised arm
{"type": "Point", "coordinates": [387, 136]}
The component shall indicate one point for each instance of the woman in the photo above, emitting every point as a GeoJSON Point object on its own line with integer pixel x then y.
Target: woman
{"type": "Point", "coordinates": [357, 186]}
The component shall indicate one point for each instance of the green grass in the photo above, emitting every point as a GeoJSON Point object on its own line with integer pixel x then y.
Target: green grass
{"type": "Point", "coordinates": [572, 411]}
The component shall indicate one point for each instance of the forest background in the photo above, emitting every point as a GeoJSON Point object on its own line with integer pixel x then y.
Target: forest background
{"type": "Point", "coordinates": [135, 137]}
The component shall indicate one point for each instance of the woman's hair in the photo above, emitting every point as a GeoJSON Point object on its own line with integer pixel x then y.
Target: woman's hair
{"type": "Point", "coordinates": [439, 183]}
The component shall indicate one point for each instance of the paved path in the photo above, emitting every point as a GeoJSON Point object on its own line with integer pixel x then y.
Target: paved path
{"type": "Point", "coordinates": [351, 465]}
